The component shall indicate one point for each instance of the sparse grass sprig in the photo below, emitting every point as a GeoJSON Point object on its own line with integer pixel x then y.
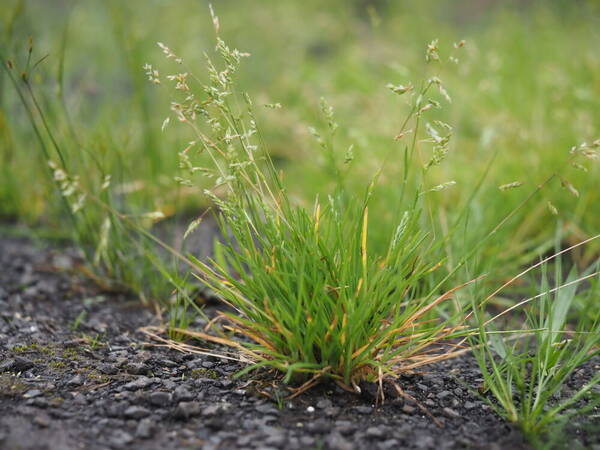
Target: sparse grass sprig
{"type": "Point", "coordinates": [527, 377]}
{"type": "Point", "coordinates": [115, 257]}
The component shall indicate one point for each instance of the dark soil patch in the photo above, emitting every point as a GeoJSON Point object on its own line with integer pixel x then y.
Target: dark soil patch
{"type": "Point", "coordinates": [75, 373]}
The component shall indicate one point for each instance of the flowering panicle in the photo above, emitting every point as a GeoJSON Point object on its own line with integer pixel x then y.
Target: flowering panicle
{"type": "Point", "coordinates": [152, 74]}
{"type": "Point", "coordinates": [69, 187]}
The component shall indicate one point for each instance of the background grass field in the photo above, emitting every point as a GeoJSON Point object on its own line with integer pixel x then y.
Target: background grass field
{"type": "Point", "coordinates": [525, 91]}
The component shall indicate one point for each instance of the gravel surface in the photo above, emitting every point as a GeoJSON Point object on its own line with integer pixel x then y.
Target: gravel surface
{"type": "Point", "coordinates": [76, 373]}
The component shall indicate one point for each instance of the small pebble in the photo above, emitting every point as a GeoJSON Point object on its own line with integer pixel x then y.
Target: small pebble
{"type": "Point", "coordinates": [363, 409]}
{"type": "Point", "coordinates": [408, 409]}
{"type": "Point", "coordinates": [185, 410]}
{"type": "Point", "coordinates": [375, 432]}
{"type": "Point", "coordinates": [32, 393]}
{"type": "Point", "coordinates": [77, 380]}
{"type": "Point", "coordinates": [324, 403]}
{"type": "Point", "coordinates": [145, 429]}
{"type": "Point", "coordinates": [136, 412]}
{"type": "Point", "coordinates": [42, 421]}
{"type": "Point", "coordinates": [448, 412]}
{"type": "Point", "coordinates": [160, 398]}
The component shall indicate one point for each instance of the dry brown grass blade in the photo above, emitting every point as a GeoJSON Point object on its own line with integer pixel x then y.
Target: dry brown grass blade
{"type": "Point", "coordinates": [208, 337]}
{"type": "Point", "coordinates": [93, 387]}
{"type": "Point", "coordinates": [277, 326]}
{"type": "Point", "coordinates": [214, 320]}
{"type": "Point", "coordinates": [425, 361]}
{"type": "Point", "coordinates": [155, 334]}
{"type": "Point", "coordinates": [314, 380]}
{"type": "Point", "coordinates": [443, 334]}
{"type": "Point", "coordinates": [411, 321]}
{"type": "Point", "coordinates": [243, 329]}
{"type": "Point", "coordinates": [305, 387]}
{"type": "Point", "coordinates": [411, 337]}
{"type": "Point", "coordinates": [380, 393]}
{"type": "Point", "coordinates": [252, 336]}
{"type": "Point", "coordinates": [437, 301]}
{"type": "Point", "coordinates": [344, 386]}
{"type": "Point", "coordinates": [361, 349]}
{"type": "Point", "coordinates": [331, 328]}
{"type": "Point", "coordinates": [104, 283]}
{"type": "Point", "coordinates": [406, 396]}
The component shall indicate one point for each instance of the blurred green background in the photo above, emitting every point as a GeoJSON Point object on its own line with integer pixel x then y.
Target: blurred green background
{"type": "Point", "coordinates": [526, 89]}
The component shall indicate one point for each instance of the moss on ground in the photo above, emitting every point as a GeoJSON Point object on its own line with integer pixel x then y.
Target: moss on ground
{"type": "Point", "coordinates": [204, 373]}
{"type": "Point", "coordinates": [11, 385]}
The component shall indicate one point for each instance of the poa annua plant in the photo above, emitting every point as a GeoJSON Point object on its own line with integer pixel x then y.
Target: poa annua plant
{"type": "Point", "coordinates": [309, 295]}
{"type": "Point", "coordinates": [527, 377]}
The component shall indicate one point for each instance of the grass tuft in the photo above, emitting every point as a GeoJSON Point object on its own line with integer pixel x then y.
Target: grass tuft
{"type": "Point", "coordinates": [312, 299]}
